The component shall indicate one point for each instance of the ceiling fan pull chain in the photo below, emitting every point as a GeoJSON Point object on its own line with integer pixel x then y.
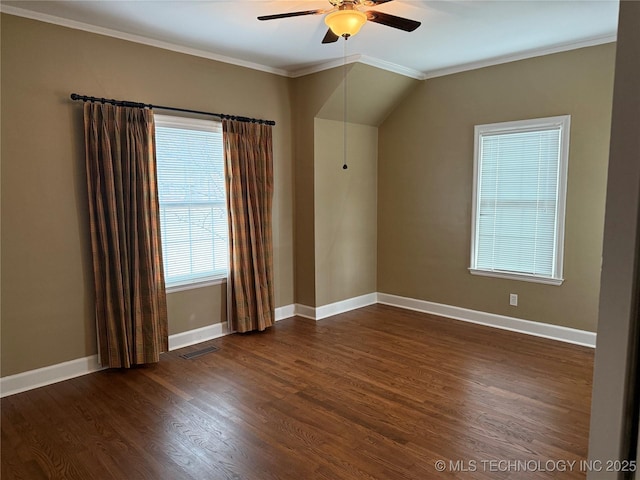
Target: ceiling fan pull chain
{"type": "Point", "coordinates": [344, 96]}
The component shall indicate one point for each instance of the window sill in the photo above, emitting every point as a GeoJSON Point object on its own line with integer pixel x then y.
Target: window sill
{"type": "Point", "coordinates": [191, 286]}
{"type": "Point", "coordinates": [517, 276]}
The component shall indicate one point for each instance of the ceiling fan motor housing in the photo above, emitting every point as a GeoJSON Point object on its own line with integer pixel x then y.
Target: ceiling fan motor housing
{"type": "Point", "coordinates": [346, 22]}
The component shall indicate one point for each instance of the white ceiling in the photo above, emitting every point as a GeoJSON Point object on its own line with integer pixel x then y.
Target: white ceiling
{"type": "Point", "coordinates": [455, 34]}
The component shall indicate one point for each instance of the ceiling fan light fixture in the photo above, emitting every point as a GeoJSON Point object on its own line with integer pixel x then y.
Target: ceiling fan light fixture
{"type": "Point", "coordinates": [345, 23]}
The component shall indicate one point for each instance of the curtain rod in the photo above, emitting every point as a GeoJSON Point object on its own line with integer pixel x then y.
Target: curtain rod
{"type": "Point", "coordinates": [125, 103]}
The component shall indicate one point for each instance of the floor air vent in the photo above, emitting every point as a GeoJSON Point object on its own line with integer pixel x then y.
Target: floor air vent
{"type": "Point", "coordinates": [199, 353]}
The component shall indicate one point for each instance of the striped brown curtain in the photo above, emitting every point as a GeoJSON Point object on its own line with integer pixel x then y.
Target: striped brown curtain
{"type": "Point", "coordinates": [249, 177]}
{"type": "Point", "coordinates": [131, 311]}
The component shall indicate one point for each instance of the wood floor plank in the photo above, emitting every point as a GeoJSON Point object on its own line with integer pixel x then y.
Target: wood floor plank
{"type": "Point", "coordinates": [378, 393]}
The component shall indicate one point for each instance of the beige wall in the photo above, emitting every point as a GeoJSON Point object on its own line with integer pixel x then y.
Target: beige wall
{"type": "Point", "coordinates": [372, 94]}
{"type": "Point", "coordinates": [196, 307]}
{"type": "Point", "coordinates": [345, 211]}
{"type": "Point", "coordinates": [309, 94]}
{"type": "Point", "coordinates": [335, 210]}
{"type": "Point", "coordinates": [47, 299]}
{"type": "Point", "coordinates": [425, 184]}
{"type": "Point", "coordinates": [424, 162]}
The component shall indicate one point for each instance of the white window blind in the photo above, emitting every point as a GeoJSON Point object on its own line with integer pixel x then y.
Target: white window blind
{"type": "Point", "coordinates": [191, 191]}
{"type": "Point", "coordinates": [520, 185]}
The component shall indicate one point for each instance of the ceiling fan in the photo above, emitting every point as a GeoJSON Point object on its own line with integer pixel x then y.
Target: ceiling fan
{"type": "Point", "coordinates": [345, 18]}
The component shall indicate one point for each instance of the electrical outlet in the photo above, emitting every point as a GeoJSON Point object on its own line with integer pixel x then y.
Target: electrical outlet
{"type": "Point", "coordinates": [513, 299]}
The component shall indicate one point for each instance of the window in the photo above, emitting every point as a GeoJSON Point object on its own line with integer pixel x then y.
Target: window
{"type": "Point", "coordinates": [520, 175]}
{"type": "Point", "coordinates": [193, 205]}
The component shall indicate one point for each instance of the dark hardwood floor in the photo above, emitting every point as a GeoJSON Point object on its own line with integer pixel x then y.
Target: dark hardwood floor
{"type": "Point", "coordinates": [377, 393]}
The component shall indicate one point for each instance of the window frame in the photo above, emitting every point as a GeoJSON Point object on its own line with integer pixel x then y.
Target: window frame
{"type": "Point", "coordinates": [190, 123]}
{"type": "Point", "coordinates": [561, 122]}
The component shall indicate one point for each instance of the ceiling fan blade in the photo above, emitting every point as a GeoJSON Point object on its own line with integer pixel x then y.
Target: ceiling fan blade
{"type": "Point", "coordinates": [373, 3]}
{"type": "Point", "coordinates": [291, 14]}
{"type": "Point", "coordinates": [330, 37]}
{"type": "Point", "coordinates": [392, 21]}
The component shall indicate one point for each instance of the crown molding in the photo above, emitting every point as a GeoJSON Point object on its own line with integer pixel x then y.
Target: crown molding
{"type": "Point", "coordinates": [63, 22]}
{"type": "Point", "coordinates": [356, 58]}
{"type": "Point", "coordinates": [319, 67]}
{"type": "Point", "coordinates": [392, 67]}
{"type": "Point", "coordinates": [539, 52]}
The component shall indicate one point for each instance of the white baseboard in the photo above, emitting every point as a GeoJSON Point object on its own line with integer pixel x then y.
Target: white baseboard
{"type": "Point", "coordinates": [21, 382]}
{"type": "Point", "coordinates": [198, 335]}
{"type": "Point", "coordinates": [40, 377]}
{"type": "Point", "coordinates": [545, 330]}
{"type": "Point", "coordinates": [305, 311]}
{"type": "Point", "coordinates": [324, 311]}
{"type": "Point", "coordinates": [203, 334]}
{"type": "Point", "coordinates": [287, 311]}
{"type": "Point", "coordinates": [346, 305]}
